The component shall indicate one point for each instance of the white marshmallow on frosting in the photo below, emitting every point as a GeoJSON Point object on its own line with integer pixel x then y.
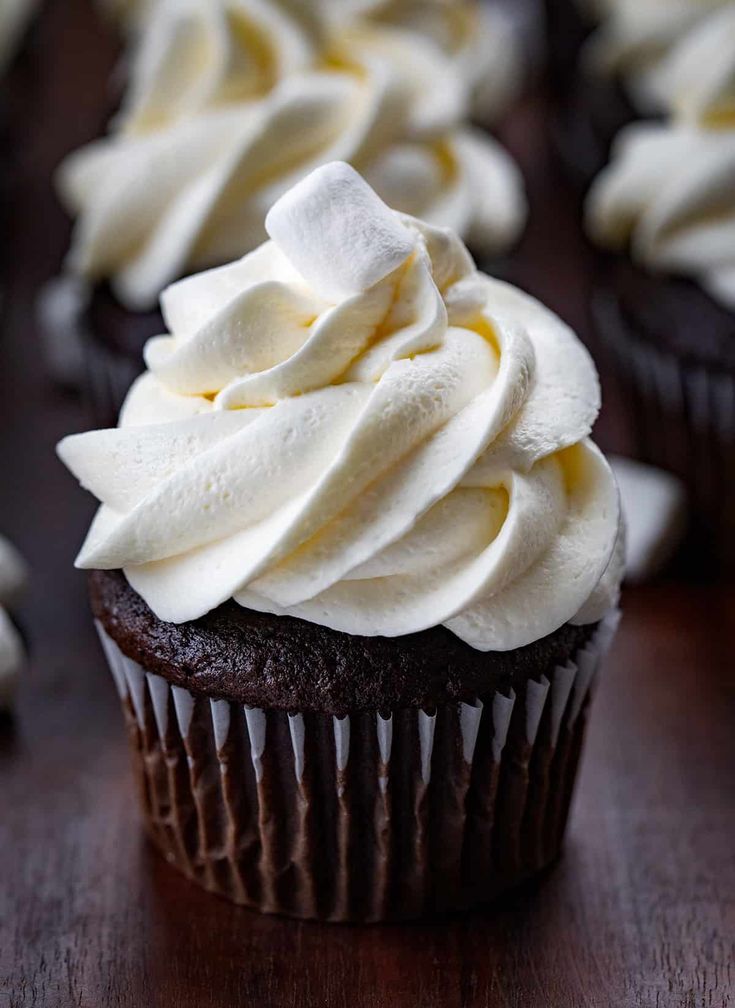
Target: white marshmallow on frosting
{"type": "Point", "coordinates": [654, 508]}
{"type": "Point", "coordinates": [337, 234]}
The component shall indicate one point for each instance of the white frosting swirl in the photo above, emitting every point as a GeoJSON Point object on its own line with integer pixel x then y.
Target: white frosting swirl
{"type": "Point", "coordinates": [697, 79]}
{"type": "Point", "coordinates": [235, 100]}
{"type": "Point", "coordinates": [196, 56]}
{"type": "Point", "coordinates": [353, 426]}
{"type": "Point", "coordinates": [669, 192]}
{"type": "Point", "coordinates": [478, 37]}
{"type": "Point", "coordinates": [635, 38]}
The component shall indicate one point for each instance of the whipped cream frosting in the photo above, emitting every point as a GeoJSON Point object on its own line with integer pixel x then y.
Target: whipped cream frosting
{"type": "Point", "coordinates": [196, 56]}
{"type": "Point", "coordinates": [698, 77]}
{"type": "Point", "coordinates": [479, 38]}
{"type": "Point", "coordinates": [669, 194]}
{"type": "Point", "coordinates": [635, 38]}
{"type": "Point", "coordinates": [233, 101]}
{"type": "Point", "coordinates": [353, 426]}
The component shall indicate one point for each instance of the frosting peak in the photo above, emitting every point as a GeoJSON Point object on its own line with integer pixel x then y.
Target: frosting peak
{"type": "Point", "coordinates": [353, 426]}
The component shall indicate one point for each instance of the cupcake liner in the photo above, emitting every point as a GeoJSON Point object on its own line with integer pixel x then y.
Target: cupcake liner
{"type": "Point", "coordinates": [681, 418]}
{"type": "Point", "coordinates": [373, 816]}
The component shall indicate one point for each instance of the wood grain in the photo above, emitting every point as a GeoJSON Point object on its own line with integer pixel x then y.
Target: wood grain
{"type": "Point", "coordinates": [641, 910]}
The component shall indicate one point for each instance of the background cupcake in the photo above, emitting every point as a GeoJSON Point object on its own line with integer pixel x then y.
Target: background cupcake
{"type": "Point", "coordinates": [667, 314]}
{"type": "Point", "coordinates": [609, 61]}
{"type": "Point", "coordinates": [203, 146]}
{"type": "Point", "coordinates": [399, 557]}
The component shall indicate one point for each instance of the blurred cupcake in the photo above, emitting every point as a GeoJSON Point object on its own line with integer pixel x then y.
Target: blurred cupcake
{"type": "Point", "coordinates": [231, 102]}
{"type": "Point", "coordinates": [617, 73]}
{"type": "Point", "coordinates": [355, 567]}
{"type": "Point", "coordinates": [667, 314]}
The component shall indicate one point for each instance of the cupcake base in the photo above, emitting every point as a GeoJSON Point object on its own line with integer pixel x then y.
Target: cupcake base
{"type": "Point", "coordinates": [681, 403]}
{"type": "Point", "coordinates": [373, 816]}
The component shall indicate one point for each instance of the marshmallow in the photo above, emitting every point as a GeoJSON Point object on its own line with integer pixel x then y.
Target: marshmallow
{"type": "Point", "coordinates": [338, 233]}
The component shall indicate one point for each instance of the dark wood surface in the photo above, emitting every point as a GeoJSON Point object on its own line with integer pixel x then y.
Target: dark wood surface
{"type": "Point", "coordinates": [641, 910]}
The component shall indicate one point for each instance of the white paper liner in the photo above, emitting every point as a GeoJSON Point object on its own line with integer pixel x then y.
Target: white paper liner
{"type": "Point", "coordinates": [220, 731]}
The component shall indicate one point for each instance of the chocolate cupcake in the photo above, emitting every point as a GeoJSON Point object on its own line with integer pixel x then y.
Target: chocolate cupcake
{"type": "Point", "coordinates": [202, 148]}
{"type": "Point", "coordinates": [356, 566]}
{"type": "Point", "coordinates": [609, 66]}
{"type": "Point", "coordinates": [666, 311]}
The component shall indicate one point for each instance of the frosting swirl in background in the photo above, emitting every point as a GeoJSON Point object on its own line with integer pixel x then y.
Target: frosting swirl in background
{"type": "Point", "coordinates": [478, 37]}
{"type": "Point", "coordinates": [353, 426]}
{"type": "Point", "coordinates": [669, 190]}
{"type": "Point", "coordinates": [635, 38]}
{"type": "Point", "coordinates": [698, 76]}
{"type": "Point", "coordinates": [232, 101]}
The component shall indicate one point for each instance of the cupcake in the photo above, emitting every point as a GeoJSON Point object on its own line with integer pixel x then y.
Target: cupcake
{"type": "Point", "coordinates": [204, 146]}
{"type": "Point", "coordinates": [609, 70]}
{"type": "Point", "coordinates": [355, 567]}
{"type": "Point", "coordinates": [666, 311]}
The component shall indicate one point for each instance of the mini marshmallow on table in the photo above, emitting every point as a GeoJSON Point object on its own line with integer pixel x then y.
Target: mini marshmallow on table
{"type": "Point", "coordinates": [654, 506]}
{"type": "Point", "coordinates": [13, 575]}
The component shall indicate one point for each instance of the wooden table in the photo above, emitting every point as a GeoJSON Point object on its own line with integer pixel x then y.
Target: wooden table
{"type": "Point", "coordinates": [641, 911]}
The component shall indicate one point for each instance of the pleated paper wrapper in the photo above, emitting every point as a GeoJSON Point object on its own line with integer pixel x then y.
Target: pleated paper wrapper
{"type": "Point", "coordinates": [373, 816]}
